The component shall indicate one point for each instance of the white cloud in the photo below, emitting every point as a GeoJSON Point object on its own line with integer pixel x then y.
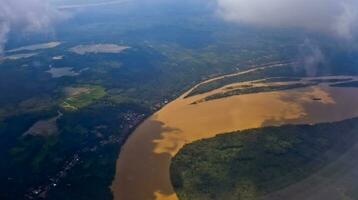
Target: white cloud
{"type": "Point", "coordinates": [4, 30]}
{"type": "Point", "coordinates": [337, 17]}
{"type": "Point", "coordinates": [25, 15]}
{"type": "Point", "coordinates": [312, 56]}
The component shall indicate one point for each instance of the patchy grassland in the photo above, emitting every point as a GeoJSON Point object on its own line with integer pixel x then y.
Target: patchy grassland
{"type": "Point", "coordinates": [84, 98]}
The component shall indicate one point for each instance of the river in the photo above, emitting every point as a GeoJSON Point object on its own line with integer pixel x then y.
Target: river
{"type": "Point", "coordinates": [142, 171]}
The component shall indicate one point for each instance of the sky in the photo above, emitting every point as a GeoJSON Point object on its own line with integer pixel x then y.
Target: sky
{"type": "Point", "coordinates": [26, 16]}
{"type": "Point", "coordinates": [335, 17]}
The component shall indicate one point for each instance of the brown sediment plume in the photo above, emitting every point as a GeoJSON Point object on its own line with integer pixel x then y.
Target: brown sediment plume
{"type": "Point", "coordinates": [143, 165]}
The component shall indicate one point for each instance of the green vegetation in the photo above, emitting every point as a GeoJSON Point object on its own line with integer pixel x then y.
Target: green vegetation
{"type": "Point", "coordinates": [250, 164]}
{"type": "Point", "coordinates": [331, 80]}
{"type": "Point", "coordinates": [42, 154]}
{"type": "Point", "coordinates": [84, 98]}
{"type": "Point", "coordinates": [347, 84]}
{"type": "Point", "coordinates": [279, 79]}
{"type": "Point", "coordinates": [286, 70]}
{"type": "Point", "coordinates": [251, 90]}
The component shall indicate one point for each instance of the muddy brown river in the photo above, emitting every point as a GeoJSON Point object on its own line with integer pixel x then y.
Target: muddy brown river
{"type": "Point", "coordinates": [142, 171]}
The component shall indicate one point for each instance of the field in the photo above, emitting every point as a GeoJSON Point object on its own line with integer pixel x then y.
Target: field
{"type": "Point", "coordinates": [83, 98]}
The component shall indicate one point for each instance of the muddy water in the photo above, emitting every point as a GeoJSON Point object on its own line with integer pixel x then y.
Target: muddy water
{"type": "Point", "coordinates": [143, 165]}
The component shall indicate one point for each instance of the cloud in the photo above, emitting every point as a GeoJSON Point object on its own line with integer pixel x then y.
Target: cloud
{"type": "Point", "coordinates": [312, 57]}
{"type": "Point", "coordinates": [338, 17]}
{"type": "Point", "coordinates": [25, 15]}
{"type": "Point", "coordinates": [4, 30]}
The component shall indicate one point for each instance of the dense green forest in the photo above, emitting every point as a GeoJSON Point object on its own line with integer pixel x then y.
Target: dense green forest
{"type": "Point", "coordinates": [253, 163]}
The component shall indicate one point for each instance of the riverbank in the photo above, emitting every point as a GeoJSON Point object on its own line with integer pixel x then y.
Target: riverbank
{"type": "Point", "coordinates": [143, 165]}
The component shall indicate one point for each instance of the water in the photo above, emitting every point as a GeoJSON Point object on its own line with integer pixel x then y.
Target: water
{"type": "Point", "coordinates": [61, 72]}
{"type": "Point", "coordinates": [143, 164]}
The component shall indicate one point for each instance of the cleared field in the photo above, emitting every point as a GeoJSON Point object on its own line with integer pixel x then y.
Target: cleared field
{"type": "Point", "coordinates": [44, 127]}
{"type": "Point", "coordinates": [82, 96]}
